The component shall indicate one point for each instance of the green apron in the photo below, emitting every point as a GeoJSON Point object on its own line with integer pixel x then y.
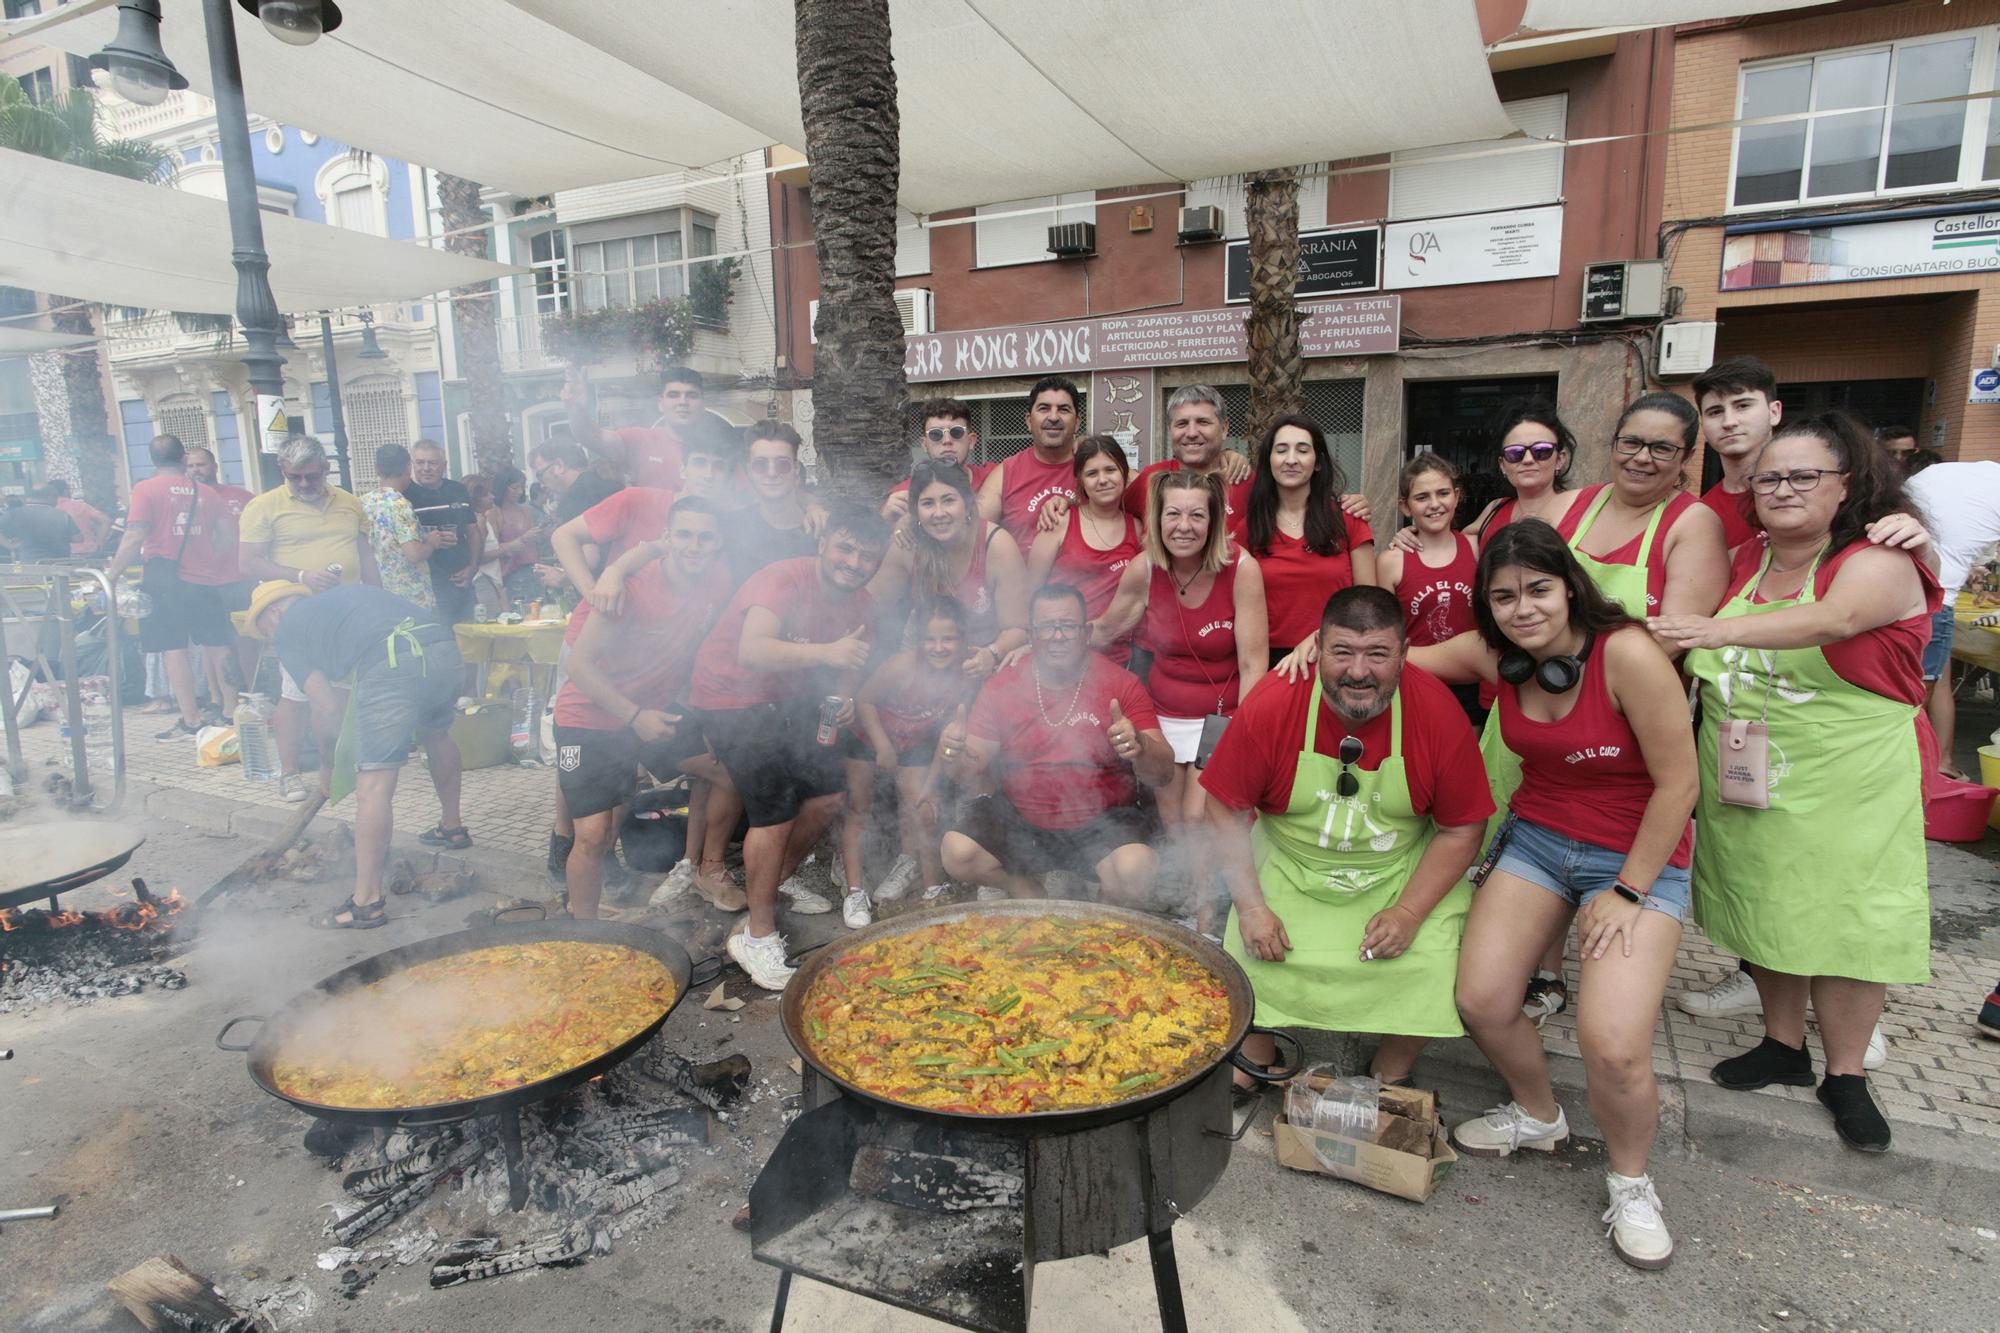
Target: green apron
{"type": "Point", "coordinates": [1327, 865]}
{"type": "Point", "coordinates": [1623, 584]}
{"type": "Point", "coordinates": [343, 749]}
{"type": "Point", "coordinates": [1831, 880]}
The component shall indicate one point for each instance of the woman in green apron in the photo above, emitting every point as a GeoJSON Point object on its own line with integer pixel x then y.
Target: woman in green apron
{"type": "Point", "coordinates": [1349, 889]}
{"type": "Point", "coordinates": [1598, 828]}
{"type": "Point", "coordinates": [1811, 862]}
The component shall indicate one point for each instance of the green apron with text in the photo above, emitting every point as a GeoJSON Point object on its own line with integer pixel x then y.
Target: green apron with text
{"type": "Point", "coordinates": [1327, 865]}
{"type": "Point", "coordinates": [1831, 879]}
{"type": "Point", "coordinates": [1623, 584]}
{"type": "Point", "coordinates": [343, 748]}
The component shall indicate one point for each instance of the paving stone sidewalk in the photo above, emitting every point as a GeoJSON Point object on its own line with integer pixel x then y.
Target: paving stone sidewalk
{"type": "Point", "coordinates": [1940, 1072]}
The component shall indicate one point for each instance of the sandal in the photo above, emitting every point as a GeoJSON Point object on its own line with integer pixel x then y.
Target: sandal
{"type": "Point", "coordinates": [437, 835]}
{"type": "Point", "coordinates": [358, 918]}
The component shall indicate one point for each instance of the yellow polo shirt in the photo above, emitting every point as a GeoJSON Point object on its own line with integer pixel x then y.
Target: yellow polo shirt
{"type": "Point", "coordinates": [303, 537]}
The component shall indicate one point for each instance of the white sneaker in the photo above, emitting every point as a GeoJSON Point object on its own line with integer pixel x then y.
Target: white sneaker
{"type": "Point", "coordinates": [679, 880]}
{"type": "Point", "coordinates": [1505, 1129]}
{"type": "Point", "coordinates": [988, 894]}
{"type": "Point", "coordinates": [292, 787]}
{"type": "Point", "coordinates": [1736, 995]}
{"type": "Point", "coordinates": [933, 892]}
{"type": "Point", "coordinates": [803, 900]}
{"type": "Point", "coordinates": [1878, 1049]}
{"type": "Point", "coordinates": [763, 957]}
{"type": "Point", "coordinates": [897, 882]}
{"type": "Point", "coordinates": [1633, 1222]}
{"type": "Point", "coordinates": [857, 910]}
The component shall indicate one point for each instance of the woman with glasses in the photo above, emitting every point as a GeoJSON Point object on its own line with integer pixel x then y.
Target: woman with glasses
{"type": "Point", "coordinates": [773, 527]}
{"type": "Point", "coordinates": [1811, 862]}
{"type": "Point", "coordinates": [1598, 827]}
{"type": "Point", "coordinates": [1307, 547]}
{"type": "Point", "coordinates": [1198, 607]}
{"type": "Point", "coordinates": [1096, 541]}
{"type": "Point", "coordinates": [955, 553]}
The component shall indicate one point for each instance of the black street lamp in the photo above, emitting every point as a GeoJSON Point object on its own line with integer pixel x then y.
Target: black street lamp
{"type": "Point", "coordinates": [295, 22]}
{"type": "Point", "coordinates": [333, 410]}
{"type": "Point", "coordinates": [139, 69]}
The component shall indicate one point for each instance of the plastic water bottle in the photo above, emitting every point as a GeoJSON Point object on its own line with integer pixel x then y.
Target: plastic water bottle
{"type": "Point", "coordinates": [255, 742]}
{"type": "Point", "coordinates": [521, 740]}
{"type": "Point", "coordinates": [97, 734]}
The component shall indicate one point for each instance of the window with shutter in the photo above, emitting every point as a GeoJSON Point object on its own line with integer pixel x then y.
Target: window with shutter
{"type": "Point", "coordinates": [1422, 188]}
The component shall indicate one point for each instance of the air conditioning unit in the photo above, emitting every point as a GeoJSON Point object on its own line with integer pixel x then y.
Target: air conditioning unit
{"type": "Point", "coordinates": [1687, 347]}
{"type": "Point", "coordinates": [915, 306]}
{"type": "Point", "coordinates": [1200, 224]}
{"type": "Point", "coordinates": [1073, 240]}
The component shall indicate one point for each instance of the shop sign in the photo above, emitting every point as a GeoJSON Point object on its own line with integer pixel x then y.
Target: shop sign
{"type": "Point", "coordinates": [1985, 387]}
{"type": "Point", "coordinates": [1337, 259]}
{"type": "Point", "coordinates": [1355, 326]}
{"type": "Point", "coordinates": [1892, 247]}
{"type": "Point", "coordinates": [23, 449]}
{"type": "Point", "coordinates": [1478, 247]}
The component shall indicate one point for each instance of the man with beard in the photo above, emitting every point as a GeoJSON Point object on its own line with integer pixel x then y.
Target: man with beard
{"type": "Point", "coordinates": [1738, 400]}
{"type": "Point", "coordinates": [435, 498]}
{"type": "Point", "coordinates": [1069, 736]}
{"type": "Point", "coordinates": [1013, 493]}
{"type": "Point", "coordinates": [1368, 798]}
{"type": "Point", "coordinates": [647, 455]}
{"type": "Point", "coordinates": [948, 436]}
{"type": "Point", "coordinates": [620, 709]}
{"type": "Point", "coordinates": [795, 635]}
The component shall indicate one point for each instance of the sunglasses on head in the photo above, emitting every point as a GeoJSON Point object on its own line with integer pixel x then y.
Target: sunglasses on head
{"type": "Point", "coordinates": [939, 434]}
{"type": "Point", "coordinates": [1350, 755]}
{"type": "Point", "coordinates": [1541, 451]}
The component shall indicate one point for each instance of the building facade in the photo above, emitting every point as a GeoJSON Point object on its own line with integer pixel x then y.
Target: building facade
{"type": "Point", "coordinates": [1438, 289]}
{"type": "Point", "coordinates": [1856, 250]}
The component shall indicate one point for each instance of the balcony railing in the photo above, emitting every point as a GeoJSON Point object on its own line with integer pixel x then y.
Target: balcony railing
{"type": "Point", "coordinates": [520, 339]}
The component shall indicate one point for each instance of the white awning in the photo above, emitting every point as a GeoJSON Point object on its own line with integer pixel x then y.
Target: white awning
{"type": "Point", "coordinates": [999, 99]}
{"type": "Point", "coordinates": [104, 238]}
{"type": "Point", "coordinates": [27, 342]}
{"type": "Point", "coordinates": [1563, 15]}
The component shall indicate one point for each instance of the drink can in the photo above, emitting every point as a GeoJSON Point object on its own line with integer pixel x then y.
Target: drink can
{"type": "Point", "coordinates": [829, 718]}
{"type": "Point", "coordinates": [334, 569]}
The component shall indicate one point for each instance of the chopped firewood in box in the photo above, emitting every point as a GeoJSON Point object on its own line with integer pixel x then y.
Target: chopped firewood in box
{"type": "Point", "coordinates": [440, 882]}
{"type": "Point", "coordinates": [163, 1293]}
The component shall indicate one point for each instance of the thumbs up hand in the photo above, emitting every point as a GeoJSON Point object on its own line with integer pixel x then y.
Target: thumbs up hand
{"type": "Point", "coordinates": [951, 741]}
{"type": "Point", "coordinates": [849, 653]}
{"type": "Point", "coordinates": [1124, 737]}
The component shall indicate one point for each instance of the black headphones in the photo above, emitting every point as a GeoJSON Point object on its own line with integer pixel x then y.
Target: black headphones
{"type": "Point", "coordinates": [1557, 675]}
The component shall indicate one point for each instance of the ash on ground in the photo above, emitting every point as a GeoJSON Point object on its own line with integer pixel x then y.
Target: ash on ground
{"type": "Point", "coordinates": [78, 964]}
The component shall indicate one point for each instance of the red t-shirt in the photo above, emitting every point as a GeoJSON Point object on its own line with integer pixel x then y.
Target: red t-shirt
{"type": "Point", "coordinates": [1628, 554]}
{"type": "Point", "coordinates": [617, 523]}
{"type": "Point", "coordinates": [651, 658]}
{"type": "Point", "coordinates": [165, 502]}
{"type": "Point", "coordinates": [652, 457]}
{"type": "Point", "coordinates": [1584, 775]}
{"type": "Point", "coordinates": [1061, 776]}
{"type": "Point", "coordinates": [807, 611]}
{"type": "Point", "coordinates": [1297, 582]}
{"type": "Point", "coordinates": [978, 472]}
{"type": "Point", "coordinates": [1734, 510]}
{"type": "Point", "coordinates": [1437, 603]}
{"type": "Point", "coordinates": [1257, 760]}
{"type": "Point", "coordinates": [83, 515]}
{"type": "Point", "coordinates": [1025, 482]}
{"type": "Point", "coordinates": [234, 498]}
{"type": "Point", "coordinates": [1138, 495]}
{"type": "Point", "coordinates": [1194, 647]}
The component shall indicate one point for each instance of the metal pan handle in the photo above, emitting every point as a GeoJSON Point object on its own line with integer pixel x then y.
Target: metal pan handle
{"type": "Point", "coordinates": [714, 966]}
{"type": "Point", "coordinates": [240, 1018]}
{"type": "Point", "coordinates": [500, 914]}
{"type": "Point", "coordinates": [1279, 1074]}
{"type": "Point", "coordinates": [426, 1122]}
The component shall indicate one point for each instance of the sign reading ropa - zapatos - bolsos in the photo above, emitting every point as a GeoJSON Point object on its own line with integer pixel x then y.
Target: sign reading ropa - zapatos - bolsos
{"type": "Point", "coordinates": [1355, 326]}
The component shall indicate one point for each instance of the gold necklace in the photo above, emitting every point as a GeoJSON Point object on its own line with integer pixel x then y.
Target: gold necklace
{"type": "Point", "coordinates": [1069, 712]}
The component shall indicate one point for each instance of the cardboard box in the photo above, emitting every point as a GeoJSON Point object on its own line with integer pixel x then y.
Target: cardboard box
{"type": "Point", "coordinates": [1408, 1155]}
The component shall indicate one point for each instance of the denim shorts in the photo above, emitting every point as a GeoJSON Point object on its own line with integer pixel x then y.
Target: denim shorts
{"type": "Point", "coordinates": [1577, 871]}
{"type": "Point", "coordinates": [1937, 653]}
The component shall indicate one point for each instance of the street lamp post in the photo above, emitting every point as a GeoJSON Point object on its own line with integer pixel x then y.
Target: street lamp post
{"type": "Point", "coordinates": [333, 411]}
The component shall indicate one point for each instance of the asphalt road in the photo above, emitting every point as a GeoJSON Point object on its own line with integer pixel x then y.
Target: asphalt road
{"type": "Point", "coordinates": [154, 1142]}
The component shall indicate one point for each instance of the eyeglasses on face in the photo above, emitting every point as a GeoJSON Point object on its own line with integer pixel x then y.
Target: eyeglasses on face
{"type": "Point", "coordinates": [773, 467]}
{"type": "Point", "coordinates": [1539, 450]}
{"type": "Point", "coordinates": [939, 434]}
{"type": "Point", "coordinates": [313, 474]}
{"type": "Point", "coordinates": [1350, 755]}
{"type": "Point", "coordinates": [1057, 629]}
{"type": "Point", "coordinates": [1663, 451]}
{"type": "Point", "coordinates": [1800, 480]}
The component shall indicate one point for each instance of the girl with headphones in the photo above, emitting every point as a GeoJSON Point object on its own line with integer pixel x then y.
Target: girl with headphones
{"type": "Point", "coordinates": [1598, 827]}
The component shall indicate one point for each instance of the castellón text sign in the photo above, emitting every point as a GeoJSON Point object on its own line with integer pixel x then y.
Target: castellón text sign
{"type": "Point", "coordinates": [1352, 326]}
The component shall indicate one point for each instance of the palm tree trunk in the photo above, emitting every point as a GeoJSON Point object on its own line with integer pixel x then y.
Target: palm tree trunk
{"type": "Point", "coordinates": [465, 223]}
{"type": "Point", "coordinates": [847, 95]}
{"type": "Point", "coordinates": [89, 425]}
{"type": "Point", "coordinates": [1277, 369]}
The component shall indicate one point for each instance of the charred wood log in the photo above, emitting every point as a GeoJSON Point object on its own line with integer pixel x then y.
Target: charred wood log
{"type": "Point", "coordinates": [480, 1257]}
{"type": "Point", "coordinates": [715, 1085]}
{"type": "Point", "coordinates": [163, 1293]}
{"type": "Point", "coordinates": [386, 1177]}
{"type": "Point", "coordinates": [610, 1195]}
{"type": "Point", "coordinates": [399, 1199]}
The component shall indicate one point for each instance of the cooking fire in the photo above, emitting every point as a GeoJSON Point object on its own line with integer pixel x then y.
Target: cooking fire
{"type": "Point", "coordinates": [63, 955]}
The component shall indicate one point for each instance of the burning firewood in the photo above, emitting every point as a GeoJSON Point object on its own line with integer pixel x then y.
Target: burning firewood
{"type": "Point", "coordinates": [609, 1196]}
{"type": "Point", "coordinates": [163, 1293]}
{"type": "Point", "coordinates": [715, 1085]}
{"type": "Point", "coordinates": [419, 1162]}
{"type": "Point", "coordinates": [479, 1257]}
{"type": "Point", "coordinates": [400, 1198]}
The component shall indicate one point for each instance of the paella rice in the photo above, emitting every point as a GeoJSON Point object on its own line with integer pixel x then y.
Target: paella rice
{"type": "Point", "coordinates": [998, 1015]}
{"type": "Point", "coordinates": [471, 1024]}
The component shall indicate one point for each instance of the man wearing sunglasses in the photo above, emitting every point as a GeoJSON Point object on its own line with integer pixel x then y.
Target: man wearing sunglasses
{"type": "Point", "coordinates": [1369, 800]}
{"type": "Point", "coordinates": [647, 455]}
{"type": "Point", "coordinates": [1069, 737]}
{"type": "Point", "coordinates": [947, 435]}
{"type": "Point", "coordinates": [774, 526]}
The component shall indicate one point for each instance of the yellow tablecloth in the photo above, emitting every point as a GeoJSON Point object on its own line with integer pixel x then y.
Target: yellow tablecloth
{"type": "Point", "coordinates": [537, 641]}
{"type": "Point", "coordinates": [1975, 645]}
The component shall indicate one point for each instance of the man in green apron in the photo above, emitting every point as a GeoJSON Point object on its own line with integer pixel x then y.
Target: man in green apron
{"type": "Point", "coordinates": [1347, 808]}
{"type": "Point", "coordinates": [379, 672]}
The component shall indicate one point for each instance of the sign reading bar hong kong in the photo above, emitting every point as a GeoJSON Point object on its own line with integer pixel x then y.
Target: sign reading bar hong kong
{"type": "Point", "coordinates": [1358, 326]}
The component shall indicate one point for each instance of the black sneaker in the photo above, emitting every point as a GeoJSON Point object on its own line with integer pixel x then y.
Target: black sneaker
{"type": "Point", "coordinates": [617, 883]}
{"type": "Point", "coordinates": [1770, 1062]}
{"type": "Point", "coordinates": [1546, 997]}
{"type": "Point", "coordinates": [1855, 1116]}
{"type": "Point", "coordinates": [1989, 1016]}
{"type": "Point", "coordinates": [179, 731]}
{"type": "Point", "coordinates": [559, 858]}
